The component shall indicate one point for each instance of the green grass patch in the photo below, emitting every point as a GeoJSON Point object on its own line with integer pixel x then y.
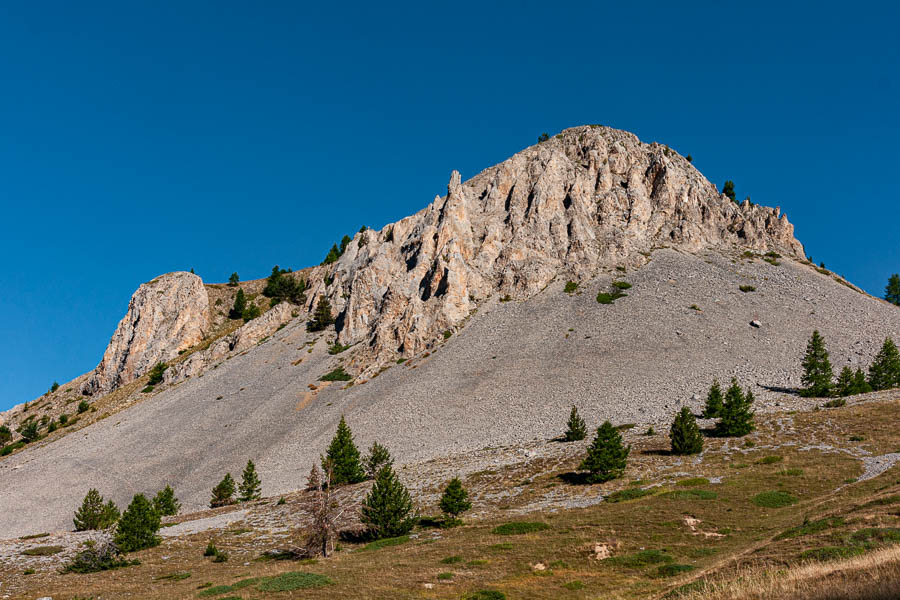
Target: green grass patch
{"type": "Point", "coordinates": [886, 501]}
{"type": "Point", "coordinates": [571, 287]}
{"type": "Point", "coordinates": [641, 559]}
{"type": "Point", "coordinates": [831, 553]}
{"type": "Point", "coordinates": [791, 472]}
{"type": "Point", "coordinates": [773, 499]}
{"type": "Point", "coordinates": [629, 494]}
{"type": "Point", "coordinates": [876, 534]}
{"type": "Point", "coordinates": [621, 285]}
{"type": "Point", "coordinates": [337, 348]}
{"type": "Point", "coordinates": [445, 576]}
{"type": "Point", "coordinates": [693, 481]}
{"type": "Point", "coordinates": [485, 595]}
{"type": "Point", "coordinates": [34, 536]}
{"type": "Point", "coordinates": [294, 580]}
{"type": "Point", "coordinates": [810, 528]}
{"type": "Point", "coordinates": [478, 562]}
{"type": "Point", "coordinates": [174, 576]}
{"type": "Point", "coordinates": [502, 547]}
{"type": "Point", "coordinates": [385, 543]}
{"type": "Point", "coordinates": [519, 528]}
{"type": "Point", "coordinates": [691, 495]}
{"type": "Point", "coordinates": [747, 288]}
{"type": "Point", "coordinates": [574, 585]}
{"type": "Point", "coordinates": [338, 374]}
{"type": "Point", "coordinates": [770, 460]}
{"type": "Point", "coordinates": [451, 560]}
{"type": "Point", "coordinates": [673, 569]}
{"type": "Point", "coordinates": [42, 551]}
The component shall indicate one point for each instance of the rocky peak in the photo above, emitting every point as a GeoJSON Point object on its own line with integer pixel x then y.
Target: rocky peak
{"type": "Point", "coordinates": [583, 202]}
{"type": "Point", "coordinates": [165, 316]}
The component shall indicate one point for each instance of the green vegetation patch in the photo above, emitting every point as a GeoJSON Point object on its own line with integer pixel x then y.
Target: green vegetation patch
{"type": "Point", "coordinates": [42, 551]}
{"type": "Point", "coordinates": [773, 499]}
{"type": "Point", "coordinates": [770, 460]}
{"type": "Point", "coordinates": [338, 374]}
{"type": "Point", "coordinates": [810, 528]}
{"type": "Point", "coordinates": [831, 553]}
{"type": "Point", "coordinates": [641, 559]}
{"type": "Point", "coordinates": [445, 576]}
{"type": "Point", "coordinates": [673, 569]}
{"type": "Point", "coordinates": [174, 576]}
{"type": "Point", "coordinates": [574, 585]}
{"type": "Point", "coordinates": [502, 547]}
{"type": "Point", "coordinates": [451, 560]}
{"type": "Point", "coordinates": [294, 580]}
{"type": "Point", "coordinates": [876, 534]}
{"type": "Point", "coordinates": [486, 595]}
{"type": "Point", "coordinates": [571, 287]}
{"type": "Point", "coordinates": [691, 495]}
{"type": "Point", "coordinates": [384, 543]}
{"type": "Point", "coordinates": [519, 528]}
{"type": "Point", "coordinates": [747, 288]}
{"type": "Point", "coordinates": [629, 494]}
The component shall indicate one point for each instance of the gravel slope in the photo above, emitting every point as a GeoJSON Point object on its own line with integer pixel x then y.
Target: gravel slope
{"type": "Point", "coordinates": [508, 377]}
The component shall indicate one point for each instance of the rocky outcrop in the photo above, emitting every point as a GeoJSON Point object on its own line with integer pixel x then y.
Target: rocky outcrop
{"type": "Point", "coordinates": [589, 199]}
{"type": "Point", "coordinates": [247, 336]}
{"type": "Point", "coordinates": [165, 316]}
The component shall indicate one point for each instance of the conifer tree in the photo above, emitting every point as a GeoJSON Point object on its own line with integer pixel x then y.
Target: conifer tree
{"type": "Point", "coordinates": [892, 291]}
{"type": "Point", "coordinates": [844, 385]}
{"type": "Point", "coordinates": [884, 372]}
{"type": "Point", "coordinates": [860, 384]}
{"type": "Point", "coordinates": [454, 502]}
{"type": "Point", "coordinates": [607, 457]}
{"type": "Point", "coordinates": [29, 431]}
{"type": "Point", "coordinates": [250, 484]}
{"type": "Point", "coordinates": [165, 502]}
{"type": "Point", "coordinates": [222, 494]}
{"type": "Point", "coordinates": [736, 419]}
{"type": "Point", "coordinates": [817, 373]}
{"type": "Point", "coordinates": [377, 458]}
{"type": "Point", "coordinates": [728, 190]}
{"type": "Point", "coordinates": [387, 509]}
{"type": "Point", "coordinates": [252, 311]}
{"type": "Point", "coordinates": [138, 526]}
{"type": "Point", "coordinates": [713, 406]}
{"type": "Point", "coordinates": [684, 434]}
{"type": "Point", "coordinates": [344, 457]}
{"type": "Point", "coordinates": [332, 255]}
{"type": "Point", "coordinates": [321, 316]}
{"type": "Point", "coordinates": [93, 514]}
{"type": "Point", "coordinates": [577, 428]}
{"type": "Point", "coordinates": [234, 280]}
{"type": "Point", "coordinates": [5, 434]}
{"type": "Point", "coordinates": [240, 305]}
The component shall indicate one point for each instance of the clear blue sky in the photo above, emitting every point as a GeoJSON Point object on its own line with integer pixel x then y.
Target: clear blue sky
{"type": "Point", "coordinates": [138, 138]}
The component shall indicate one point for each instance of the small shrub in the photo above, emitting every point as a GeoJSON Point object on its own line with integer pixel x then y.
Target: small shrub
{"type": "Point", "coordinates": [519, 528]}
{"type": "Point", "coordinates": [338, 374]}
{"type": "Point", "coordinates": [220, 557]}
{"type": "Point", "coordinates": [621, 285]}
{"type": "Point", "coordinates": [574, 585]}
{"type": "Point", "coordinates": [29, 572]}
{"type": "Point", "coordinates": [543, 138]}
{"type": "Point", "coordinates": [147, 389]}
{"type": "Point", "coordinates": [156, 373]}
{"type": "Point", "coordinates": [747, 288]}
{"type": "Point", "coordinates": [83, 407]}
{"type": "Point", "coordinates": [451, 560]}
{"type": "Point", "coordinates": [486, 595]}
{"type": "Point", "coordinates": [773, 499]}
{"type": "Point", "coordinates": [771, 460]}
{"type": "Point", "coordinates": [650, 431]}
{"type": "Point", "coordinates": [571, 287]}
{"type": "Point", "coordinates": [835, 403]}
{"type": "Point", "coordinates": [103, 557]}
{"type": "Point", "coordinates": [337, 348]}
{"type": "Point", "coordinates": [876, 534]}
{"type": "Point", "coordinates": [445, 576]}
{"type": "Point", "coordinates": [211, 550]}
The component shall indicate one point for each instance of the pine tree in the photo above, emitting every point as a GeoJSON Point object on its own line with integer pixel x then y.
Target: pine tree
{"type": "Point", "coordinates": [884, 373]}
{"type": "Point", "coordinates": [607, 457]}
{"type": "Point", "coordinates": [387, 509]}
{"type": "Point", "coordinates": [454, 502]}
{"type": "Point", "coordinates": [860, 384]}
{"type": "Point", "coordinates": [344, 457]}
{"type": "Point", "coordinates": [165, 502]}
{"type": "Point", "coordinates": [332, 255]}
{"type": "Point", "coordinates": [156, 373]}
{"type": "Point", "coordinates": [577, 428]}
{"type": "Point", "coordinates": [892, 291]}
{"type": "Point", "coordinates": [736, 419]}
{"type": "Point", "coordinates": [234, 280]}
{"type": "Point", "coordinates": [844, 385]}
{"type": "Point", "coordinates": [713, 407]}
{"type": "Point", "coordinates": [250, 485]}
{"type": "Point", "coordinates": [223, 492]}
{"type": "Point", "coordinates": [138, 526]}
{"type": "Point", "coordinates": [240, 305]}
{"type": "Point", "coordinates": [817, 373]}
{"type": "Point", "coordinates": [345, 241]}
{"type": "Point", "coordinates": [321, 316]}
{"type": "Point", "coordinates": [5, 434]}
{"type": "Point", "coordinates": [684, 434]}
{"type": "Point", "coordinates": [728, 190]}
{"type": "Point", "coordinates": [377, 458]}
{"type": "Point", "coordinates": [252, 311]}
{"type": "Point", "coordinates": [29, 431]}
{"type": "Point", "coordinates": [93, 514]}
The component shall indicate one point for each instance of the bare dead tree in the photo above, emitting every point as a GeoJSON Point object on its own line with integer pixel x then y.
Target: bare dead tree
{"type": "Point", "coordinates": [325, 515]}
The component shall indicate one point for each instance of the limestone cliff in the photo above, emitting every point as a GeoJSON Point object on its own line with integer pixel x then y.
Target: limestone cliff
{"type": "Point", "coordinates": [587, 200]}
{"type": "Point", "coordinates": [165, 316]}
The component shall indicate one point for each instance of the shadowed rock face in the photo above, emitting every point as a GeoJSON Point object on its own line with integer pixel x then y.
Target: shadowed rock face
{"type": "Point", "coordinates": [590, 199]}
{"type": "Point", "coordinates": [168, 314]}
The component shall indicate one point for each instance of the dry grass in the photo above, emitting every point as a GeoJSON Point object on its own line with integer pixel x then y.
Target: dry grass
{"type": "Point", "coordinates": [873, 576]}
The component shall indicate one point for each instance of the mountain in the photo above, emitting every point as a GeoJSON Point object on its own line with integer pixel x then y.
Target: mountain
{"type": "Point", "coordinates": [473, 323]}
